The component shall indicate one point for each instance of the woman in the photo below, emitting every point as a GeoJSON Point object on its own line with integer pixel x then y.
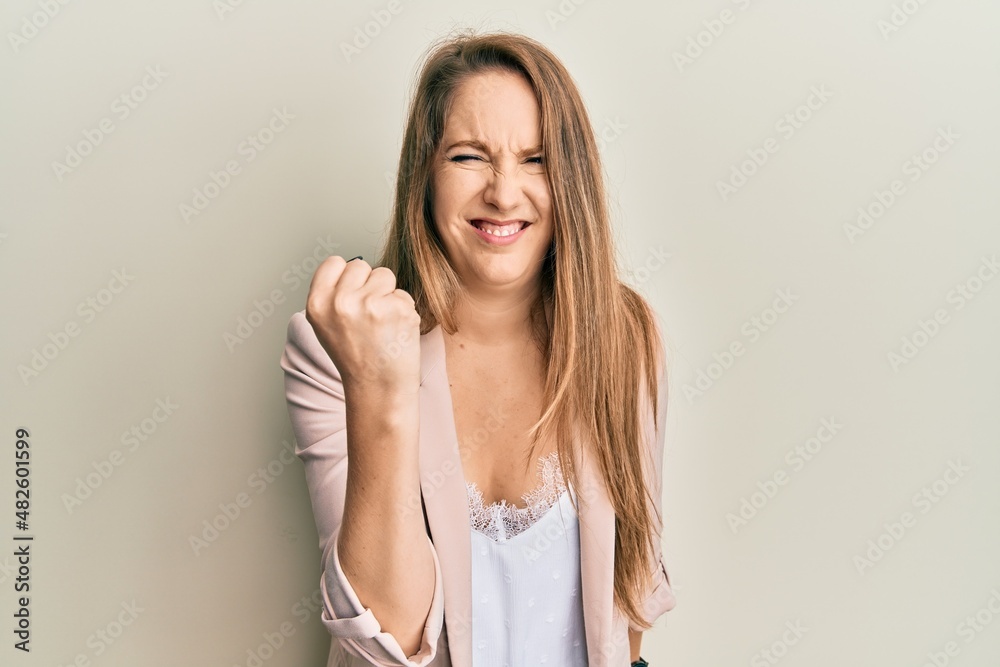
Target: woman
{"type": "Point", "coordinates": [492, 357]}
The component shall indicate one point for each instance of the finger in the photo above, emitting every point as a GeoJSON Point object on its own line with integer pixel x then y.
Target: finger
{"type": "Point", "coordinates": [327, 275]}
{"type": "Point", "coordinates": [355, 275]}
{"type": "Point", "coordinates": [381, 282]}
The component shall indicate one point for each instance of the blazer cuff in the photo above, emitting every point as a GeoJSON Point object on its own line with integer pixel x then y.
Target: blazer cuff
{"type": "Point", "coordinates": [660, 600]}
{"type": "Point", "coordinates": [357, 628]}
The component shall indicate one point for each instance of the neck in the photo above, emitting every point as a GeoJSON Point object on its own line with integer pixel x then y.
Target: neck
{"type": "Point", "coordinates": [497, 321]}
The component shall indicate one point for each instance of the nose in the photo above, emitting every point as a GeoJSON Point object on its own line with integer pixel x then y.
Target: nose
{"type": "Point", "coordinates": [503, 190]}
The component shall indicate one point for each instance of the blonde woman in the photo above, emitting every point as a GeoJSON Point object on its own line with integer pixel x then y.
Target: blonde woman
{"type": "Point", "coordinates": [481, 414]}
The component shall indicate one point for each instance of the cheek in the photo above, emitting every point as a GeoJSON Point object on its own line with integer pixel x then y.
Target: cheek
{"type": "Point", "coordinates": [456, 188]}
{"type": "Point", "coordinates": [542, 200]}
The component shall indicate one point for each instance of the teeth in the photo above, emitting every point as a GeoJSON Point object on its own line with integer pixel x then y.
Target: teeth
{"type": "Point", "coordinates": [493, 230]}
{"type": "Point", "coordinates": [505, 231]}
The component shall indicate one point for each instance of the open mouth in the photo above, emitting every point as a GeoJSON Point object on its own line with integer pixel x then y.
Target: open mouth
{"type": "Point", "coordinates": [499, 230]}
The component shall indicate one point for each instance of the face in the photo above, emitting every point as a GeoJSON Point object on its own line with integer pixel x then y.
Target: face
{"type": "Point", "coordinates": [490, 169]}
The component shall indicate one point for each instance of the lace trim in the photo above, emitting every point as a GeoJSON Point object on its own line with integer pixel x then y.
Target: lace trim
{"type": "Point", "coordinates": [500, 521]}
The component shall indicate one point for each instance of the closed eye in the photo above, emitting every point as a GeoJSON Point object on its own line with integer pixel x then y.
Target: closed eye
{"type": "Point", "coordinates": [463, 158]}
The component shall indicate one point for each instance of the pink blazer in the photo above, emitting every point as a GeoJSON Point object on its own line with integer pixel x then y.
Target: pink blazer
{"type": "Point", "coordinates": [316, 406]}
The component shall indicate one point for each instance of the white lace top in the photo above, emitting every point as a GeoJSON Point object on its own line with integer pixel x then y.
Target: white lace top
{"type": "Point", "coordinates": [500, 521]}
{"type": "Point", "coordinates": [527, 606]}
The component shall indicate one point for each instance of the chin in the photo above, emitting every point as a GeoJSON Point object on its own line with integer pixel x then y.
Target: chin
{"type": "Point", "coordinates": [499, 276]}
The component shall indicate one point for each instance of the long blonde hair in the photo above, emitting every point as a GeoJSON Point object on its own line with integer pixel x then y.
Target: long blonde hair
{"type": "Point", "coordinates": [602, 337]}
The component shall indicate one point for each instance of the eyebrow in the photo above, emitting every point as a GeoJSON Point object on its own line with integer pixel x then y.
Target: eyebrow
{"type": "Point", "coordinates": [480, 146]}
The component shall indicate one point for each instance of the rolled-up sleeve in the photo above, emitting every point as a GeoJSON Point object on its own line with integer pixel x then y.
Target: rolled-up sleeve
{"type": "Point", "coordinates": [316, 407]}
{"type": "Point", "coordinates": [661, 598]}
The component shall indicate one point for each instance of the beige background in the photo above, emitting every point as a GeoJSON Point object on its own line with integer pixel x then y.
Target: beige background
{"type": "Point", "coordinates": [710, 264]}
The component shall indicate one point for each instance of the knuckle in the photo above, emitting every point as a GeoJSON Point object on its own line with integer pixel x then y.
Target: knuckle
{"type": "Point", "coordinates": [312, 303]}
{"type": "Point", "coordinates": [342, 302]}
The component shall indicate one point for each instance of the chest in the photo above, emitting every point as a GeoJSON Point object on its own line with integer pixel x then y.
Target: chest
{"type": "Point", "coordinates": [495, 403]}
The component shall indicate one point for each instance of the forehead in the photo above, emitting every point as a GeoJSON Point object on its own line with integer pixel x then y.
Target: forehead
{"type": "Point", "coordinates": [497, 108]}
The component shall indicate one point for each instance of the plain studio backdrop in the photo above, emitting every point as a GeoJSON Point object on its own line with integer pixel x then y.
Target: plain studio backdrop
{"type": "Point", "coordinates": [806, 192]}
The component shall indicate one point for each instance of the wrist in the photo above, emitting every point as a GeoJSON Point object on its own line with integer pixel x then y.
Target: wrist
{"type": "Point", "coordinates": [393, 405]}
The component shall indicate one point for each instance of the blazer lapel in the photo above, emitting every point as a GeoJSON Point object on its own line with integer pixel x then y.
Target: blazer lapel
{"type": "Point", "coordinates": [446, 502]}
{"type": "Point", "coordinates": [597, 550]}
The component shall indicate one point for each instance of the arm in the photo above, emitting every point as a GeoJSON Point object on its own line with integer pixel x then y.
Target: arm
{"type": "Point", "coordinates": [382, 590]}
{"type": "Point", "coordinates": [661, 597]}
{"type": "Point", "coordinates": [634, 643]}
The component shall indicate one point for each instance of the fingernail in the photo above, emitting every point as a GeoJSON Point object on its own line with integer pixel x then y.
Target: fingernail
{"type": "Point", "coordinates": [353, 258]}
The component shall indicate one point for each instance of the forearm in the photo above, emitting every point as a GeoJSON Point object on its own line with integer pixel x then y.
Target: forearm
{"type": "Point", "coordinates": [383, 548]}
{"type": "Point", "coordinates": [634, 641]}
